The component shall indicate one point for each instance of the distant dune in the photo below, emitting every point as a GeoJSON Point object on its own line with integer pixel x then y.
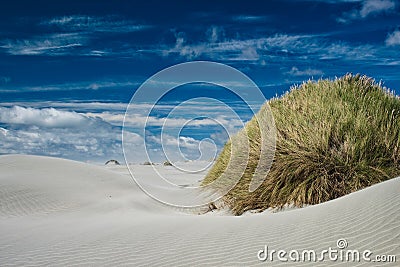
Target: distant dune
{"type": "Point", "coordinates": [63, 213]}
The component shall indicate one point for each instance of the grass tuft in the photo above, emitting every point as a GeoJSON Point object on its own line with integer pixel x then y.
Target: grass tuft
{"type": "Point", "coordinates": [332, 138]}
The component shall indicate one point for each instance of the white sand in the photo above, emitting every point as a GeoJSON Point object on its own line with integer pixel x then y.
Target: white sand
{"type": "Point", "coordinates": [58, 212]}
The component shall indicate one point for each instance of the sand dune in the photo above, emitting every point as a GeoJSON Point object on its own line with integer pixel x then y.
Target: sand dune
{"type": "Point", "coordinates": [63, 213]}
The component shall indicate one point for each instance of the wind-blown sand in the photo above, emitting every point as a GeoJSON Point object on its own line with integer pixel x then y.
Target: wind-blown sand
{"type": "Point", "coordinates": [60, 212]}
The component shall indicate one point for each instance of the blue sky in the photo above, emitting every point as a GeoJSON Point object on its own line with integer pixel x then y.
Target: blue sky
{"type": "Point", "coordinates": [69, 68]}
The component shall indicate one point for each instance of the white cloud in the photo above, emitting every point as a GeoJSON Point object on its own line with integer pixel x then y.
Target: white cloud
{"type": "Point", "coordinates": [51, 44]}
{"type": "Point", "coordinates": [393, 38]}
{"type": "Point", "coordinates": [98, 53]}
{"type": "Point", "coordinates": [96, 136]}
{"type": "Point", "coordinates": [77, 106]}
{"type": "Point", "coordinates": [215, 34]}
{"type": "Point", "coordinates": [139, 120]}
{"type": "Point", "coordinates": [96, 145]}
{"type": "Point", "coordinates": [371, 7]}
{"type": "Point", "coordinates": [49, 117]}
{"type": "Point", "coordinates": [249, 18]}
{"type": "Point", "coordinates": [276, 49]}
{"type": "Point", "coordinates": [58, 133]}
{"type": "Point", "coordinates": [249, 53]}
{"type": "Point", "coordinates": [90, 85]}
{"type": "Point", "coordinates": [368, 8]}
{"type": "Point", "coordinates": [351, 53]}
{"type": "Point", "coordinates": [236, 49]}
{"type": "Point", "coordinates": [71, 36]}
{"type": "Point", "coordinates": [188, 142]}
{"type": "Point", "coordinates": [307, 72]}
{"type": "Point", "coordinates": [179, 148]}
{"type": "Point", "coordinates": [203, 113]}
{"type": "Point", "coordinates": [98, 24]}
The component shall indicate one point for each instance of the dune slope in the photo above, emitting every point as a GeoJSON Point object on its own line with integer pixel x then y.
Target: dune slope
{"type": "Point", "coordinates": [63, 213]}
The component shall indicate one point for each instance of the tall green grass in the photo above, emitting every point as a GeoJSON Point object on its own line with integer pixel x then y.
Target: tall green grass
{"type": "Point", "coordinates": [332, 138]}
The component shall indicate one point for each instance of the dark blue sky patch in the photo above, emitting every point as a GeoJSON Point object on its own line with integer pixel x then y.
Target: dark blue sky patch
{"type": "Point", "coordinates": [72, 55]}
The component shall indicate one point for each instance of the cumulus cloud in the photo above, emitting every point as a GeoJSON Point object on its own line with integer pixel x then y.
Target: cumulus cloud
{"type": "Point", "coordinates": [49, 117]}
{"type": "Point", "coordinates": [368, 8]}
{"type": "Point", "coordinates": [97, 145]}
{"type": "Point", "coordinates": [96, 136]}
{"type": "Point", "coordinates": [193, 113]}
{"type": "Point", "coordinates": [57, 133]}
{"type": "Point", "coordinates": [393, 39]}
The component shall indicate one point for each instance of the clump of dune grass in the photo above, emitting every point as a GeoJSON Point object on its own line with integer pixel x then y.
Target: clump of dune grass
{"type": "Point", "coordinates": [332, 138]}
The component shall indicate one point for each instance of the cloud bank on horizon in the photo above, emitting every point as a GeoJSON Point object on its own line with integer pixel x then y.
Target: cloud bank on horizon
{"type": "Point", "coordinates": [68, 71]}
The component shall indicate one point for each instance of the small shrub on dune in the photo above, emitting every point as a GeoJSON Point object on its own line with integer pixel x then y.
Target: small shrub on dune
{"type": "Point", "coordinates": [167, 163]}
{"type": "Point", "coordinates": [332, 138]}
